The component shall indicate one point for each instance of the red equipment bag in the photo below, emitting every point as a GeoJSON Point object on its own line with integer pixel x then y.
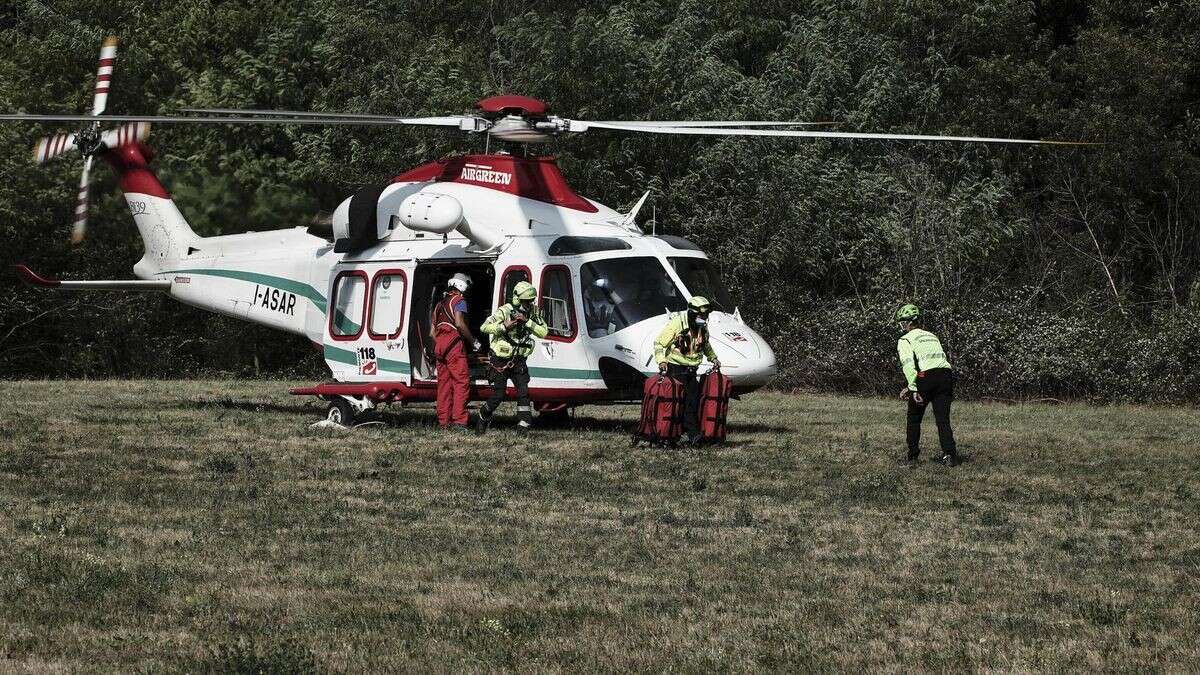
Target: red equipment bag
{"type": "Point", "coordinates": [662, 404]}
{"type": "Point", "coordinates": [715, 391]}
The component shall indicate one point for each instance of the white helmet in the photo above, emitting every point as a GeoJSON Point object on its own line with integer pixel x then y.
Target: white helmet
{"type": "Point", "coordinates": [459, 281]}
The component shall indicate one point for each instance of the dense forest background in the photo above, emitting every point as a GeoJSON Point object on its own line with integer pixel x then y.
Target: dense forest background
{"type": "Point", "coordinates": [1048, 272]}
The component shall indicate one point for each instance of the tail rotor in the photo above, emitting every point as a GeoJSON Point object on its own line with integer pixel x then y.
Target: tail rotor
{"type": "Point", "coordinates": [90, 140]}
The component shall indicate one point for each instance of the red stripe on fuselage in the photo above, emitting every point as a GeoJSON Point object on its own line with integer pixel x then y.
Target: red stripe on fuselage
{"type": "Point", "coordinates": [397, 391]}
{"type": "Point", "coordinates": [533, 178]}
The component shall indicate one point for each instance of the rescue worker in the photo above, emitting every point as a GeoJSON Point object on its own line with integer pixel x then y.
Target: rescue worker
{"type": "Point", "coordinates": [451, 337]}
{"type": "Point", "coordinates": [513, 326]}
{"type": "Point", "coordinates": [930, 381]}
{"type": "Point", "coordinates": [680, 348]}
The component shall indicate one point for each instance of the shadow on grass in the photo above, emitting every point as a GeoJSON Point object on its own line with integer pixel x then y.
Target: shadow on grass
{"type": "Point", "coordinates": [425, 417]}
{"type": "Point", "coordinates": [627, 426]}
{"type": "Point", "coordinates": [300, 408]}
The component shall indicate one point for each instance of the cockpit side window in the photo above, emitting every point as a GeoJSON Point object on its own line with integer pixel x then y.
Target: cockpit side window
{"type": "Point", "coordinates": [701, 277]}
{"type": "Point", "coordinates": [624, 291]}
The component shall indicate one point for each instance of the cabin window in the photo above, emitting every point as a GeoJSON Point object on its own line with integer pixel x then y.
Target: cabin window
{"type": "Point", "coordinates": [558, 306]}
{"type": "Point", "coordinates": [349, 302]}
{"type": "Point", "coordinates": [388, 292]}
{"type": "Point", "coordinates": [572, 245]}
{"type": "Point", "coordinates": [512, 277]}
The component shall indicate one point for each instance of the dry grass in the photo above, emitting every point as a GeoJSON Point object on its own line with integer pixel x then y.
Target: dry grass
{"type": "Point", "coordinates": [203, 526]}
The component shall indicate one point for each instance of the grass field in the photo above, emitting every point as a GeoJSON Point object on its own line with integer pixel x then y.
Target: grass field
{"type": "Point", "coordinates": [203, 526]}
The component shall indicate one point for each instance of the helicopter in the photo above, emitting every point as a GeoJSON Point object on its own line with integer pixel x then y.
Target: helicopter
{"type": "Point", "coordinates": [362, 291]}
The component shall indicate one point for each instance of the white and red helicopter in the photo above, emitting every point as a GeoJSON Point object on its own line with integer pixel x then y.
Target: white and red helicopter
{"type": "Point", "coordinates": [364, 292]}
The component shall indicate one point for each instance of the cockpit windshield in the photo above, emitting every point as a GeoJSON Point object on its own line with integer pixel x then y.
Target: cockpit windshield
{"type": "Point", "coordinates": [623, 291]}
{"type": "Point", "coordinates": [700, 277]}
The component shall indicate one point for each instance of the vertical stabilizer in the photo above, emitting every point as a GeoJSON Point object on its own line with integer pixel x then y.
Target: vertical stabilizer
{"type": "Point", "coordinates": [165, 233]}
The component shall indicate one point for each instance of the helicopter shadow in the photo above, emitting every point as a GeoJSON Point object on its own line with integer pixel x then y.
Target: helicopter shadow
{"type": "Point", "coordinates": [627, 426]}
{"type": "Point", "coordinates": [246, 406]}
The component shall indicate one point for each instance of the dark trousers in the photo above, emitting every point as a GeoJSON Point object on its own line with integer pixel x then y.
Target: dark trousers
{"type": "Point", "coordinates": [503, 370]}
{"type": "Point", "coordinates": [691, 397]}
{"type": "Point", "coordinates": [937, 389]}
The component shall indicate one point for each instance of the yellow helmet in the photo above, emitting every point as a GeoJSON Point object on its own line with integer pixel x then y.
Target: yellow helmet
{"type": "Point", "coordinates": [524, 291]}
{"type": "Point", "coordinates": [699, 304]}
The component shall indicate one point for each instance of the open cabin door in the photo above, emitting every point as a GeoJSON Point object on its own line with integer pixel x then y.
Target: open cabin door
{"type": "Point", "coordinates": [429, 285]}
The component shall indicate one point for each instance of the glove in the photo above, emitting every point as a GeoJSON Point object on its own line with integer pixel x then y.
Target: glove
{"type": "Point", "coordinates": [905, 393]}
{"type": "Point", "coordinates": [917, 398]}
{"type": "Point", "coordinates": [476, 346]}
{"type": "Point", "coordinates": [716, 365]}
{"type": "Point", "coordinates": [662, 367]}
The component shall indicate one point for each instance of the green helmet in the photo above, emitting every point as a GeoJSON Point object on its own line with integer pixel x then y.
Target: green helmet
{"type": "Point", "coordinates": [524, 291]}
{"type": "Point", "coordinates": [699, 304]}
{"type": "Point", "coordinates": [908, 313]}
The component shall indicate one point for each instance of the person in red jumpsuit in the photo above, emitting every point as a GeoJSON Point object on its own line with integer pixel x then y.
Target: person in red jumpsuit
{"type": "Point", "coordinates": [451, 338]}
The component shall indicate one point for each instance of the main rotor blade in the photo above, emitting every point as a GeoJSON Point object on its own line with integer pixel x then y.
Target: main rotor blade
{"type": "Point", "coordinates": [447, 120]}
{"type": "Point", "coordinates": [584, 126]}
{"type": "Point", "coordinates": [443, 121]}
{"type": "Point", "coordinates": [108, 56]}
{"type": "Point", "coordinates": [458, 122]}
{"type": "Point", "coordinates": [712, 123]}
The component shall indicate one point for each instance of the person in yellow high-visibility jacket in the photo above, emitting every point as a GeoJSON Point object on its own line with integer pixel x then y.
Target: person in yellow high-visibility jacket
{"type": "Point", "coordinates": [929, 379]}
{"type": "Point", "coordinates": [680, 348]}
{"type": "Point", "coordinates": [513, 327]}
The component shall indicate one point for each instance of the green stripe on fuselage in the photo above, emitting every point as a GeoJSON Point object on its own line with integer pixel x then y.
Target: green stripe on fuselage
{"type": "Point", "coordinates": [339, 355]}
{"type": "Point", "coordinates": [348, 356]}
{"type": "Point", "coordinates": [282, 283]}
{"type": "Point", "coordinates": [564, 373]}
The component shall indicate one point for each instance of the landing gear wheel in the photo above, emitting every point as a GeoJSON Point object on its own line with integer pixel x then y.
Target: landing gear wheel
{"type": "Point", "coordinates": [340, 412]}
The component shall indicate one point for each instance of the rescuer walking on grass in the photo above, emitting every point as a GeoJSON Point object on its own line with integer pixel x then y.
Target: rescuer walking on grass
{"type": "Point", "coordinates": [930, 381]}
{"type": "Point", "coordinates": [451, 336]}
{"type": "Point", "coordinates": [680, 348]}
{"type": "Point", "coordinates": [513, 327]}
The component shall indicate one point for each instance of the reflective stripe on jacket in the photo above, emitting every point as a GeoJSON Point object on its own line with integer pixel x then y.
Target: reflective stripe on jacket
{"type": "Point", "coordinates": [919, 351]}
{"type": "Point", "coordinates": [679, 344]}
{"type": "Point", "coordinates": [518, 341]}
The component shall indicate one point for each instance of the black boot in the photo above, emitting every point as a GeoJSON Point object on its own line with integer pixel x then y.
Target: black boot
{"type": "Point", "coordinates": [481, 423]}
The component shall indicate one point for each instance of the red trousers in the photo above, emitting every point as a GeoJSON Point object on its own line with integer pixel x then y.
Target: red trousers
{"type": "Point", "coordinates": [453, 378]}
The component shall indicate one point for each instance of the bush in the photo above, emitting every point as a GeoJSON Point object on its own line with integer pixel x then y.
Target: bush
{"type": "Point", "coordinates": [999, 349]}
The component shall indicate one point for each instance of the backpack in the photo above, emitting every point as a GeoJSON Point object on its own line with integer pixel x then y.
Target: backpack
{"type": "Point", "coordinates": [662, 405]}
{"type": "Point", "coordinates": [715, 390]}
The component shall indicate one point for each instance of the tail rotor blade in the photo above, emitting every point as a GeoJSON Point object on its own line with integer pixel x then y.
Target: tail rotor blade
{"type": "Point", "coordinates": [79, 228]}
{"type": "Point", "coordinates": [126, 134]}
{"type": "Point", "coordinates": [49, 147]}
{"type": "Point", "coordinates": [108, 57]}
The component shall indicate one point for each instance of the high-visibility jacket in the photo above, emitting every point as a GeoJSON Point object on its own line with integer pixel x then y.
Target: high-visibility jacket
{"type": "Point", "coordinates": [517, 341]}
{"type": "Point", "coordinates": [919, 351]}
{"type": "Point", "coordinates": [681, 344]}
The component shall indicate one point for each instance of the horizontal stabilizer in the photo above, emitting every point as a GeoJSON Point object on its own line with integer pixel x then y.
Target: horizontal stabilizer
{"type": "Point", "coordinates": [34, 279]}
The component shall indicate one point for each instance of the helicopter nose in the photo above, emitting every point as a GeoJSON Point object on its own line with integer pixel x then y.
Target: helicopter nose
{"type": "Point", "coordinates": [745, 356]}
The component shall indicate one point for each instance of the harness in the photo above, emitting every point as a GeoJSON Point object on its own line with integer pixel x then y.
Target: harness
{"type": "Point", "coordinates": [443, 312]}
{"type": "Point", "coordinates": [443, 315]}
{"type": "Point", "coordinates": [688, 343]}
